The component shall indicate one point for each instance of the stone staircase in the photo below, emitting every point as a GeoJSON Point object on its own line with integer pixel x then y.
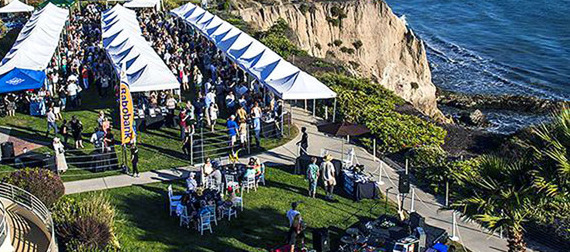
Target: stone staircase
{"type": "Point", "coordinates": [25, 235]}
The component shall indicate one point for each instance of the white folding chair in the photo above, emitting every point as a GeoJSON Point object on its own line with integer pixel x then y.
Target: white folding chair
{"type": "Point", "coordinates": [249, 183]}
{"type": "Point", "coordinates": [213, 216]}
{"type": "Point", "coordinates": [184, 218]}
{"type": "Point", "coordinates": [238, 201]}
{"type": "Point", "coordinates": [205, 223]}
{"type": "Point", "coordinates": [229, 211]}
{"type": "Point", "coordinates": [173, 201]}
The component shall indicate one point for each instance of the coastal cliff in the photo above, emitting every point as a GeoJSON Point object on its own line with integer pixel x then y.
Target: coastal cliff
{"type": "Point", "coordinates": [365, 36]}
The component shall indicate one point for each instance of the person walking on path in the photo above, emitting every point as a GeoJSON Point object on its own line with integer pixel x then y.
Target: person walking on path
{"type": "Point", "coordinates": [313, 176]}
{"type": "Point", "coordinates": [328, 170]}
{"type": "Point", "coordinates": [135, 160]}
{"type": "Point", "coordinates": [51, 122]}
{"type": "Point", "coordinates": [304, 143]}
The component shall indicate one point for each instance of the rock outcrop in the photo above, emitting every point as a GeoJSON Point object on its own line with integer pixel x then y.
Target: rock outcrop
{"type": "Point", "coordinates": [363, 35]}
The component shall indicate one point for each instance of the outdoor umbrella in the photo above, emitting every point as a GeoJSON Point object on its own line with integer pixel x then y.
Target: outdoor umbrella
{"type": "Point", "coordinates": [342, 129]}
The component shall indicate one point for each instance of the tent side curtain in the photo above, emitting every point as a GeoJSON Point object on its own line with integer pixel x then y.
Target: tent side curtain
{"type": "Point", "coordinates": [281, 77]}
{"type": "Point", "coordinates": [60, 3]}
{"type": "Point", "coordinates": [16, 6]}
{"type": "Point", "coordinates": [23, 66]}
{"type": "Point", "coordinates": [124, 44]}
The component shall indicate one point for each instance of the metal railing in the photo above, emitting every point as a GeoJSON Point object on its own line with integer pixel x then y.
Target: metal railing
{"type": "Point", "coordinates": [32, 203]}
{"type": "Point", "coordinates": [3, 224]}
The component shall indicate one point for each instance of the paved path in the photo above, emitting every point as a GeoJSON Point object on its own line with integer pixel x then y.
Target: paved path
{"type": "Point", "coordinates": [426, 204]}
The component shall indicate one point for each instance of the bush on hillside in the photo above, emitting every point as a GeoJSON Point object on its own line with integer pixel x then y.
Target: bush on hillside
{"type": "Point", "coordinates": [46, 185]}
{"type": "Point", "coordinates": [361, 101]}
{"type": "Point", "coordinates": [276, 38]}
{"type": "Point", "coordinates": [86, 224]}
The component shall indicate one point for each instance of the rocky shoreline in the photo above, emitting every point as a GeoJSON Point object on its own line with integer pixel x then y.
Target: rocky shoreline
{"type": "Point", "coordinates": [518, 103]}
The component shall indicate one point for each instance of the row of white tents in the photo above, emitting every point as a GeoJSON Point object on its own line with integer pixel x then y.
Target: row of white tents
{"type": "Point", "coordinates": [283, 78]}
{"type": "Point", "coordinates": [124, 44]}
{"type": "Point", "coordinates": [24, 65]}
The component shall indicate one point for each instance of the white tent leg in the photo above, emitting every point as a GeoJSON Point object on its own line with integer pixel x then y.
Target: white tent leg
{"type": "Point", "coordinates": [314, 106]}
{"type": "Point", "coordinates": [334, 110]}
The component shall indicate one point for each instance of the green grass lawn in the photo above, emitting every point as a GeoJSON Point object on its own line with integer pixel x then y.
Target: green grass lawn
{"type": "Point", "coordinates": [158, 149]}
{"type": "Point", "coordinates": [143, 223]}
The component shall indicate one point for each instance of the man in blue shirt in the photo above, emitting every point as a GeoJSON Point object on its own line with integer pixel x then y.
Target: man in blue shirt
{"type": "Point", "coordinates": [232, 129]}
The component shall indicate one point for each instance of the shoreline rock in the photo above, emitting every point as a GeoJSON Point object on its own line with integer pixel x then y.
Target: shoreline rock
{"type": "Point", "coordinates": [517, 103]}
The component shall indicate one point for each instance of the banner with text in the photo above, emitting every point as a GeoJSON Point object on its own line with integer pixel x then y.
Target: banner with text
{"type": "Point", "coordinates": [128, 133]}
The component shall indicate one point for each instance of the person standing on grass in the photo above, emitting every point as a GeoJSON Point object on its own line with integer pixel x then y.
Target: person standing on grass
{"type": "Point", "coordinates": [328, 170]}
{"type": "Point", "coordinates": [313, 176]}
{"type": "Point", "coordinates": [292, 213]}
{"type": "Point", "coordinates": [50, 116]}
{"type": "Point", "coordinates": [232, 130]}
{"type": "Point", "coordinates": [304, 143]}
{"type": "Point", "coordinates": [243, 133]}
{"type": "Point", "coordinates": [213, 115]}
{"type": "Point", "coordinates": [135, 160]}
{"type": "Point", "coordinates": [64, 130]}
{"type": "Point", "coordinates": [76, 130]}
{"type": "Point", "coordinates": [187, 144]}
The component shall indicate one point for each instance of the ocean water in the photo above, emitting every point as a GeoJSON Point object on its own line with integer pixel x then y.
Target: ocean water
{"type": "Point", "coordinates": [494, 47]}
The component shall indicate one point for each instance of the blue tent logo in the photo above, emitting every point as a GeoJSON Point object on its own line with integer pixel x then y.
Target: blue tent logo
{"type": "Point", "coordinates": [15, 81]}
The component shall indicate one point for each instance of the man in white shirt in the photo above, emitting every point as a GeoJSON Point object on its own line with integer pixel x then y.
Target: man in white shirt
{"type": "Point", "coordinates": [51, 122]}
{"type": "Point", "coordinates": [72, 90]}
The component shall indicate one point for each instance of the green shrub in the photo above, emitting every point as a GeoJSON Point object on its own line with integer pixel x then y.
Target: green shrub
{"type": "Point", "coordinates": [361, 101]}
{"type": "Point", "coordinates": [350, 51]}
{"type": "Point", "coordinates": [354, 64]}
{"type": "Point", "coordinates": [86, 224]}
{"type": "Point", "coordinates": [318, 46]}
{"type": "Point", "coordinates": [357, 44]}
{"type": "Point", "coordinates": [337, 42]}
{"type": "Point", "coordinates": [304, 8]}
{"type": "Point", "coordinates": [46, 185]}
{"type": "Point", "coordinates": [336, 11]}
{"type": "Point", "coordinates": [275, 38]}
{"type": "Point", "coordinates": [333, 21]}
{"type": "Point", "coordinates": [344, 49]}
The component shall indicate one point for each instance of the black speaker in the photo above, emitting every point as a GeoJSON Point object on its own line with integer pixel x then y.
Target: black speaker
{"type": "Point", "coordinates": [321, 240]}
{"type": "Point", "coordinates": [404, 183]}
{"type": "Point", "coordinates": [7, 151]}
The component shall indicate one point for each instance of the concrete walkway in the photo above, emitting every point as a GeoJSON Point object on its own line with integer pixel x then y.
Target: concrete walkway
{"type": "Point", "coordinates": [426, 204]}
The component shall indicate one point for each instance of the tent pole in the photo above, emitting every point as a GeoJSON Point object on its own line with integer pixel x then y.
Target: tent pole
{"type": "Point", "coordinates": [291, 118]}
{"type": "Point", "coordinates": [305, 104]}
{"type": "Point", "coordinates": [282, 113]}
{"type": "Point", "coordinates": [314, 106]}
{"type": "Point", "coordinates": [334, 110]}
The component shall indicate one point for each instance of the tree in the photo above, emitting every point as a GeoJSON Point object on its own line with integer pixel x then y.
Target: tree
{"type": "Point", "coordinates": [500, 196]}
{"type": "Point", "coordinates": [551, 150]}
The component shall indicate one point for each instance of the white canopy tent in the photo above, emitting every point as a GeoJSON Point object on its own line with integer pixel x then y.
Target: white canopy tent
{"type": "Point", "coordinates": [124, 44]}
{"type": "Point", "coordinates": [24, 65]}
{"type": "Point", "coordinates": [16, 6]}
{"type": "Point", "coordinates": [281, 77]}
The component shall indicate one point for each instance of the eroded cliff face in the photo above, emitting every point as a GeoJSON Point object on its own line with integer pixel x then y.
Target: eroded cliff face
{"type": "Point", "coordinates": [388, 51]}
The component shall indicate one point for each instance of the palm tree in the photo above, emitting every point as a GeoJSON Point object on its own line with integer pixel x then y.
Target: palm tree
{"type": "Point", "coordinates": [499, 195]}
{"type": "Point", "coordinates": [551, 149]}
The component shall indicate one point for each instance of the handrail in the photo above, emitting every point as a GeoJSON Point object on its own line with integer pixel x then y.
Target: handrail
{"type": "Point", "coordinates": [3, 224]}
{"type": "Point", "coordinates": [30, 202]}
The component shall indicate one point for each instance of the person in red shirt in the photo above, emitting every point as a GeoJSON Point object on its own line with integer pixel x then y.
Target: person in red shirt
{"type": "Point", "coordinates": [85, 77]}
{"type": "Point", "coordinates": [183, 117]}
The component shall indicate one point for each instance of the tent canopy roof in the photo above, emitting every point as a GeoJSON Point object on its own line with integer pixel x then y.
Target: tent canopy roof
{"type": "Point", "coordinates": [16, 6]}
{"type": "Point", "coordinates": [281, 77]}
{"type": "Point", "coordinates": [142, 4]}
{"type": "Point", "coordinates": [124, 44]}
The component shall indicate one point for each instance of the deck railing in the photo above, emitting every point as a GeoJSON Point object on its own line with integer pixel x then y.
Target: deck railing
{"type": "Point", "coordinates": [30, 202]}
